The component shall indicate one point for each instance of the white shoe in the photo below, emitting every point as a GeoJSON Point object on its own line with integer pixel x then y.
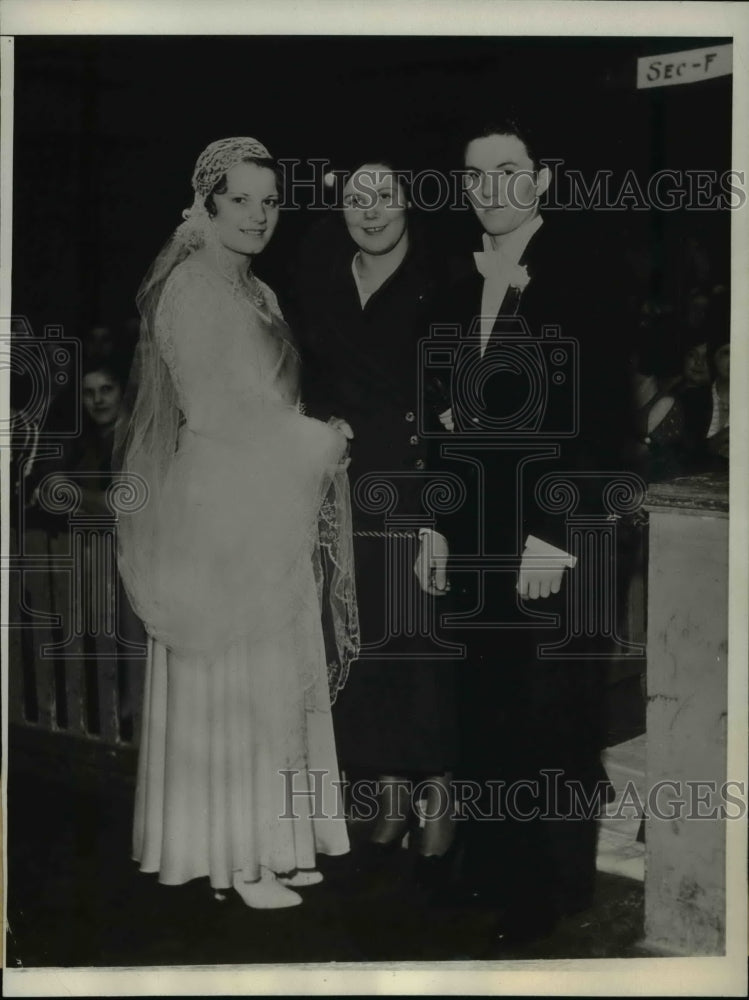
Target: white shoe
{"type": "Point", "coordinates": [302, 877]}
{"type": "Point", "coordinates": [266, 893]}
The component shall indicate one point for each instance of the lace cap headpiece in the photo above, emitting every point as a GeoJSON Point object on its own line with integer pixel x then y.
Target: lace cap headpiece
{"type": "Point", "coordinates": [215, 160]}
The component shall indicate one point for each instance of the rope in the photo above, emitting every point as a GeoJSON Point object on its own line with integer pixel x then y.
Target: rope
{"type": "Point", "coordinates": [386, 534]}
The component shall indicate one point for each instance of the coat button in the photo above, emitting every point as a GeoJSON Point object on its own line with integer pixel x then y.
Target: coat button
{"type": "Point", "coordinates": [413, 439]}
{"type": "Point", "coordinates": [420, 463]}
{"type": "Point", "coordinates": [410, 416]}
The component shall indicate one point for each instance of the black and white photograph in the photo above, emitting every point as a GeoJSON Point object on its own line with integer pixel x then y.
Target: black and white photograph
{"type": "Point", "coordinates": [373, 618]}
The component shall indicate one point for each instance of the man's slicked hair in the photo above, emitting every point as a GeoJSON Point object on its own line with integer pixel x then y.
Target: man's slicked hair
{"type": "Point", "coordinates": [509, 124]}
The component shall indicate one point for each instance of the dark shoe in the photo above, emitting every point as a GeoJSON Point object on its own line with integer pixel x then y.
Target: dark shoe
{"type": "Point", "coordinates": [371, 855]}
{"type": "Point", "coordinates": [429, 874]}
{"type": "Point", "coordinates": [374, 867]}
{"type": "Point", "coordinates": [572, 904]}
{"type": "Point", "coordinates": [517, 931]}
{"type": "Point", "coordinates": [434, 874]}
{"type": "Point", "coordinates": [462, 896]}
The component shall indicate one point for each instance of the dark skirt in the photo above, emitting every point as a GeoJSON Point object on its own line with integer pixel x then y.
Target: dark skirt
{"type": "Point", "coordinates": [397, 712]}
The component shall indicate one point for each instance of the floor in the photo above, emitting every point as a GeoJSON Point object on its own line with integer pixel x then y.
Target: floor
{"type": "Point", "coordinates": [75, 898]}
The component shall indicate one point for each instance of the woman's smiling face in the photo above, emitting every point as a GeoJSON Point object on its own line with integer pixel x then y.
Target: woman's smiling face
{"type": "Point", "coordinates": [102, 396]}
{"type": "Point", "coordinates": [247, 212]}
{"type": "Point", "coordinates": [375, 209]}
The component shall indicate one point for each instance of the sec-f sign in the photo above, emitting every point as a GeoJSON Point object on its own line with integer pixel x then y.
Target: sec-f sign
{"type": "Point", "coordinates": [684, 67]}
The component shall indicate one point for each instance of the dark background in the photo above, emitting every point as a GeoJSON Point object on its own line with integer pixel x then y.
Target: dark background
{"type": "Point", "coordinates": [107, 131]}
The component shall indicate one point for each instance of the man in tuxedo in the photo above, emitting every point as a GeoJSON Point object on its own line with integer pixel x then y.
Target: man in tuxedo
{"type": "Point", "coordinates": [537, 416]}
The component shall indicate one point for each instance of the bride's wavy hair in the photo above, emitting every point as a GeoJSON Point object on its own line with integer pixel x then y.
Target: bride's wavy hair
{"type": "Point", "coordinates": [222, 185]}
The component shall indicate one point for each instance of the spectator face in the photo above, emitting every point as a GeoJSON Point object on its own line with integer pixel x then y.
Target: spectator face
{"type": "Point", "coordinates": [247, 213]}
{"type": "Point", "coordinates": [102, 397]}
{"type": "Point", "coordinates": [374, 209]}
{"type": "Point", "coordinates": [722, 361]}
{"type": "Point", "coordinates": [502, 183]}
{"type": "Point", "coordinates": [695, 369]}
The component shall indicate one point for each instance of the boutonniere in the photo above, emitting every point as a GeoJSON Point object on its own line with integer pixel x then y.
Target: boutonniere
{"type": "Point", "coordinates": [519, 277]}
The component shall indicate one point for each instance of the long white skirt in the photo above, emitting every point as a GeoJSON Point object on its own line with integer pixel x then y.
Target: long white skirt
{"type": "Point", "coordinates": [225, 771]}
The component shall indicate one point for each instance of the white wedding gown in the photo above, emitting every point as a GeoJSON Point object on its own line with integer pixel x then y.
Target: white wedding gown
{"type": "Point", "coordinates": [237, 707]}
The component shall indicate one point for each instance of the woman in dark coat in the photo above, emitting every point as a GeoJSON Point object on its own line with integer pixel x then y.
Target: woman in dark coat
{"type": "Point", "coordinates": [362, 297]}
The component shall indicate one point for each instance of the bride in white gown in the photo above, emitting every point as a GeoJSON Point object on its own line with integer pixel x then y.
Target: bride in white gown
{"type": "Point", "coordinates": [246, 498]}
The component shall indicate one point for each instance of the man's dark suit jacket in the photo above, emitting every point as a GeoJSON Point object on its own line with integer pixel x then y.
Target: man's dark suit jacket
{"type": "Point", "coordinates": [523, 714]}
{"type": "Point", "coordinates": [557, 361]}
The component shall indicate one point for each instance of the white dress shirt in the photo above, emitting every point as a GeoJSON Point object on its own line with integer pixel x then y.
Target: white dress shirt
{"type": "Point", "coordinates": [499, 268]}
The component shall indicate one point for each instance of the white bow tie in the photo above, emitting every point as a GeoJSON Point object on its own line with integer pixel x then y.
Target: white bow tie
{"type": "Point", "coordinates": [494, 265]}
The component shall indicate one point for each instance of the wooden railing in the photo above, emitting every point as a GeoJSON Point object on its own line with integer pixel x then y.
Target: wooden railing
{"type": "Point", "coordinates": [76, 651]}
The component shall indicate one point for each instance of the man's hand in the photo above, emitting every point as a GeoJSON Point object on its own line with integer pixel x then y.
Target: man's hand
{"type": "Point", "coordinates": [538, 578]}
{"type": "Point", "coordinates": [542, 569]}
{"type": "Point", "coordinates": [446, 419]}
{"type": "Point", "coordinates": [431, 563]}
